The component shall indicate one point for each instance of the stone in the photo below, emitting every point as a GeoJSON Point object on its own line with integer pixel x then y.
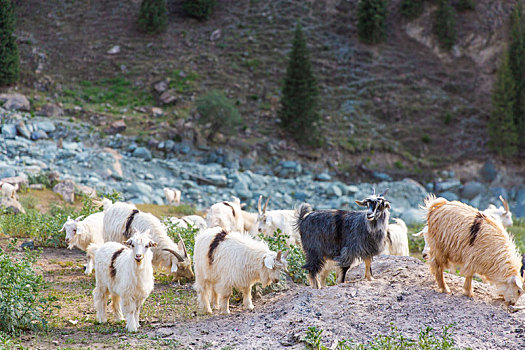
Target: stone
{"type": "Point", "coordinates": [161, 86]}
{"type": "Point", "coordinates": [7, 172]}
{"type": "Point", "coordinates": [447, 185]}
{"type": "Point", "coordinates": [38, 134]}
{"type": "Point", "coordinates": [51, 110]}
{"type": "Point", "coordinates": [352, 189]}
{"type": "Point", "coordinates": [472, 189]}
{"type": "Point", "coordinates": [334, 191]}
{"type": "Point", "coordinates": [38, 187]}
{"type": "Point", "coordinates": [215, 35]}
{"type": "Point", "coordinates": [66, 189]}
{"type": "Point", "coordinates": [114, 50]}
{"type": "Point", "coordinates": [22, 129]}
{"type": "Point", "coordinates": [88, 191]}
{"type": "Point", "coordinates": [413, 216]}
{"type": "Point", "coordinates": [217, 179]}
{"type": "Point", "coordinates": [115, 127]}
{"type": "Point", "coordinates": [9, 131]}
{"type": "Point", "coordinates": [323, 177]}
{"type": "Point", "coordinates": [168, 97]}
{"type": "Point", "coordinates": [46, 126]}
{"type": "Point", "coordinates": [499, 191]}
{"type": "Point", "coordinates": [489, 172]}
{"type": "Point", "coordinates": [451, 196]}
{"type": "Point", "coordinates": [142, 152]}
{"type": "Point", "coordinates": [381, 176]}
{"type": "Point", "coordinates": [20, 180]}
{"type": "Point", "coordinates": [11, 204]}
{"type": "Point", "coordinates": [15, 101]}
{"type": "Point", "coordinates": [157, 112]}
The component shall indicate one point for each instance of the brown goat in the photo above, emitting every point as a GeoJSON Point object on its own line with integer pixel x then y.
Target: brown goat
{"type": "Point", "coordinates": [460, 235]}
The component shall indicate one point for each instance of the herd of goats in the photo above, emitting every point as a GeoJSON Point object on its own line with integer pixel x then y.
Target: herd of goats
{"type": "Point", "coordinates": [228, 253]}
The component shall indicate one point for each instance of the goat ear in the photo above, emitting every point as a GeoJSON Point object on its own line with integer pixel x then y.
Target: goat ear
{"type": "Point", "coordinates": [128, 242]}
{"type": "Point", "coordinates": [174, 268]}
{"type": "Point", "coordinates": [278, 257]}
{"type": "Point", "coordinates": [269, 261]}
{"type": "Point", "coordinates": [151, 244]}
{"type": "Point", "coordinates": [266, 204]}
{"type": "Point", "coordinates": [259, 205]}
{"type": "Point", "coordinates": [387, 205]}
{"type": "Point", "coordinates": [361, 203]}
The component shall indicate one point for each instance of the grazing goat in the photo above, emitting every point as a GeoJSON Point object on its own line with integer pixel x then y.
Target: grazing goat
{"type": "Point", "coordinates": [503, 214]}
{"type": "Point", "coordinates": [396, 239]}
{"type": "Point", "coordinates": [172, 196]}
{"type": "Point", "coordinates": [8, 190]}
{"type": "Point", "coordinates": [460, 235]}
{"type": "Point", "coordinates": [343, 236]}
{"type": "Point", "coordinates": [125, 274]}
{"type": "Point", "coordinates": [120, 218]}
{"type": "Point", "coordinates": [226, 260]}
{"type": "Point", "coordinates": [189, 220]}
{"type": "Point", "coordinates": [230, 216]}
{"type": "Point", "coordinates": [81, 234]}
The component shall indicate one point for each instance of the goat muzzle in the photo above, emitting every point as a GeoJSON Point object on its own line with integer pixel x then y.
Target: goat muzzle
{"type": "Point", "coordinates": [139, 258]}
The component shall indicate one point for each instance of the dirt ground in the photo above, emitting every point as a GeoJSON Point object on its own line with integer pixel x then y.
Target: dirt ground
{"type": "Point", "coordinates": [403, 294]}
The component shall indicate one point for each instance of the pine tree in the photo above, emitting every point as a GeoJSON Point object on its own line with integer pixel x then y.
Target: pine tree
{"type": "Point", "coordinates": [299, 104]}
{"type": "Point", "coordinates": [502, 128]}
{"type": "Point", "coordinates": [153, 16]}
{"type": "Point", "coordinates": [371, 21]}
{"type": "Point", "coordinates": [9, 56]}
{"type": "Point", "coordinates": [200, 9]}
{"type": "Point", "coordinates": [516, 54]}
{"type": "Point", "coordinates": [444, 26]}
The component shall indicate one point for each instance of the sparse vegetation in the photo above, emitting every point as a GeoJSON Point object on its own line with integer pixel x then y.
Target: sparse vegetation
{"type": "Point", "coordinates": [516, 62]}
{"type": "Point", "coordinates": [412, 9]}
{"type": "Point", "coordinates": [9, 56]}
{"type": "Point", "coordinates": [153, 16]}
{"type": "Point", "coordinates": [465, 5]}
{"type": "Point", "coordinates": [299, 104]}
{"type": "Point", "coordinates": [371, 25]}
{"type": "Point", "coordinates": [201, 9]}
{"type": "Point", "coordinates": [444, 26]}
{"type": "Point", "coordinates": [220, 112]}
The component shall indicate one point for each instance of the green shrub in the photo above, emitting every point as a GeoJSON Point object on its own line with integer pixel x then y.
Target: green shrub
{"type": "Point", "coordinates": [427, 340]}
{"type": "Point", "coordinates": [43, 179]}
{"type": "Point", "coordinates": [215, 108]}
{"type": "Point", "coordinates": [187, 234]}
{"type": "Point", "coordinates": [153, 16]}
{"type": "Point", "coordinates": [412, 9]}
{"type": "Point", "coordinates": [444, 26]}
{"type": "Point", "coordinates": [200, 9]}
{"type": "Point", "coordinates": [9, 56]}
{"type": "Point", "coordinates": [22, 302]}
{"type": "Point", "coordinates": [299, 112]}
{"type": "Point", "coordinates": [371, 21]}
{"type": "Point", "coordinates": [465, 5]}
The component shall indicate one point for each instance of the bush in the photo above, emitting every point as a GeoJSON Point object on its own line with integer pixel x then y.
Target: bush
{"type": "Point", "coordinates": [187, 234]}
{"type": "Point", "coordinates": [153, 16]}
{"type": "Point", "coordinates": [200, 9]}
{"type": "Point", "coordinates": [503, 134]}
{"type": "Point", "coordinates": [215, 108]}
{"type": "Point", "coordinates": [412, 9]}
{"type": "Point", "coordinates": [465, 5]}
{"type": "Point", "coordinates": [299, 104]}
{"type": "Point", "coordinates": [22, 303]}
{"type": "Point", "coordinates": [9, 56]}
{"type": "Point", "coordinates": [371, 21]}
{"type": "Point", "coordinates": [444, 26]}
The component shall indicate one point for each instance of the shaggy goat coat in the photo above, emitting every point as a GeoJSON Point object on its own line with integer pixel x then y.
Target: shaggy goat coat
{"type": "Point", "coordinates": [81, 234]}
{"type": "Point", "coordinates": [396, 242]}
{"type": "Point", "coordinates": [120, 274]}
{"type": "Point", "coordinates": [460, 235]}
{"type": "Point", "coordinates": [227, 260]}
{"type": "Point", "coordinates": [227, 215]}
{"type": "Point", "coordinates": [118, 219]}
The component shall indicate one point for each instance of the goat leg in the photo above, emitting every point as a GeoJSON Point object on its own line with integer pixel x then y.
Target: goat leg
{"type": "Point", "coordinates": [368, 269]}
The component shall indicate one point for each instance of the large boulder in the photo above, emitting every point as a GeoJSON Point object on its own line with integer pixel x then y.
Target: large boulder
{"type": "Point", "coordinates": [11, 204]}
{"type": "Point", "coordinates": [142, 152]}
{"type": "Point", "coordinates": [51, 110]}
{"type": "Point", "coordinates": [15, 101]}
{"type": "Point", "coordinates": [472, 189]}
{"type": "Point", "coordinates": [9, 131]}
{"type": "Point", "coordinates": [489, 172]}
{"type": "Point", "coordinates": [66, 189]}
{"type": "Point", "coordinates": [115, 127]}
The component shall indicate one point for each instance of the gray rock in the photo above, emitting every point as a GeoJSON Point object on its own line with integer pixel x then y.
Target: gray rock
{"type": "Point", "coordinates": [472, 189]}
{"type": "Point", "coordinates": [115, 127]}
{"type": "Point", "coordinates": [46, 126]}
{"type": "Point", "coordinates": [51, 110]}
{"type": "Point", "coordinates": [451, 196]}
{"type": "Point", "coordinates": [381, 176]}
{"type": "Point", "coordinates": [489, 171]}
{"type": "Point", "coordinates": [142, 152]}
{"type": "Point", "coordinates": [22, 129]}
{"type": "Point", "coordinates": [300, 196]}
{"type": "Point", "coordinates": [447, 185]}
{"type": "Point", "coordinates": [38, 134]}
{"type": "Point", "coordinates": [114, 50]}
{"type": "Point", "coordinates": [11, 204]}
{"type": "Point", "coordinates": [66, 189]}
{"type": "Point", "coordinates": [499, 191]}
{"type": "Point", "coordinates": [519, 210]}
{"type": "Point", "coordinates": [217, 179]}
{"type": "Point", "coordinates": [6, 172]}
{"type": "Point", "coordinates": [9, 131]}
{"type": "Point", "coordinates": [413, 216]}
{"type": "Point", "coordinates": [323, 177]}
{"type": "Point", "coordinates": [15, 101]}
{"type": "Point", "coordinates": [334, 191]}
{"type": "Point", "coordinates": [352, 189]}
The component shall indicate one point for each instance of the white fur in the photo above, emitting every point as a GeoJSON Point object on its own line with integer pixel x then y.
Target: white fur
{"type": "Point", "coordinates": [8, 190]}
{"type": "Point", "coordinates": [81, 234]}
{"type": "Point", "coordinates": [269, 221]}
{"type": "Point", "coordinates": [399, 238]}
{"type": "Point", "coordinates": [132, 283]}
{"type": "Point", "coordinates": [500, 214]}
{"type": "Point", "coordinates": [221, 215]}
{"type": "Point", "coordinates": [239, 261]}
{"type": "Point", "coordinates": [193, 220]}
{"type": "Point", "coordinates": [172, 195]}
{"type": "Point", "coordinates": [114, 226]}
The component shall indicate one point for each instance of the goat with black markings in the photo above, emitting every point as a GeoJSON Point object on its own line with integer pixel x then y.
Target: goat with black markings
{"type": "Point", "coordinates": [343, 236]}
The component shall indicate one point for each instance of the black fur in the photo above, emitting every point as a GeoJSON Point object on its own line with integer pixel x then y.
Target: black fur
{"type": "Point", "coordinates": [129, 220]}
{"type": "Point", "coordinates": [229, 205]}
{"type": "Point", "coordinates": [522, 271]}
{"type": "Point", "coordinates": [476, 226]}
{"type": "Point", "coordinates": [343, 236]}
{"type": "Point", "coordinates": [112, 269]}
{"type": "Point", "coordinates": [219, 237]}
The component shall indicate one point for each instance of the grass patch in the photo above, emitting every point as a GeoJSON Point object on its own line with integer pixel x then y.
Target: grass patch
{"type": "Point", "coordinates": [518, 232]}
{"type": "Point", "coordinates": [168, 210]}
{"type": "Point", "coordinates": [183, 82]}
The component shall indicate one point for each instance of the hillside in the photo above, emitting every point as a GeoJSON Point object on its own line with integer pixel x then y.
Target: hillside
{"type": "Point", "coordinates": [403, 106]}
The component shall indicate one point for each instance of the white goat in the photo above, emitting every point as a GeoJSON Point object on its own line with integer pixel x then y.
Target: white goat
{"type": "Point", "coordinates": [125, 274]}
{"type": "Point", "coordinates": [172, 195]}
{"type": "Point", "coordinates": [502, 214]}
{"type": "Point", "coordinates": [8, 190]}
{"type": "Point", "coordinates": [226, 260]}
{"type": "Point", "coordinates": [120, 218]}
{"type": "Point", "coordinates": [185, 221]}
{"type": "Point", "coordinates": [396, 242]}
{"type": "Point", "coordinates": [81, 234]}
{"type": "Point", "coordinates": [227, 215]}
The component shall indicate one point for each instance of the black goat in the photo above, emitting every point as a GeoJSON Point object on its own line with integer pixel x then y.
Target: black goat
{"type": "Point", "coordinates": [343, 236]}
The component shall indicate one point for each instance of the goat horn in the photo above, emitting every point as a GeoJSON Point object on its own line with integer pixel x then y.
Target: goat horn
{"type": "Point", "coordinates": [373, 189]}
{"type": "Point", "coordinates": [259, 204]}
{"type": "Point", "coordinates": [80, 217]}
{"type": "Point", "coordinates": [266, 204]}
{"type": "Point", "coordinates": [183, 245]}
{"type": "Point", "coordinates": [505, 204]}
{"type": "Point", "coordinates": [384, 193]}
{"type": "Point", "coordinates": [177, 255]}
{"type": "Point", "coordinates": [278, 257]}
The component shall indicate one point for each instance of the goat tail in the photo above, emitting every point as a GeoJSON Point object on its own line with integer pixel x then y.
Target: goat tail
{"type": "Point", "coordinates": [92, 249]}
{"type": "Point", "coordinates": [303, 210]}
{"type": "Point", "coordinates": [105, 202]}
{"type": "Point", "coordinates": [401, 224]}
{"type": "Point", "coordinates": [432, 203]}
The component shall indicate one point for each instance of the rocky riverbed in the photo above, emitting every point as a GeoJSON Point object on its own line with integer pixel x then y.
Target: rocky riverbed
{"type": "Point", "coordinates": [31, 144]}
